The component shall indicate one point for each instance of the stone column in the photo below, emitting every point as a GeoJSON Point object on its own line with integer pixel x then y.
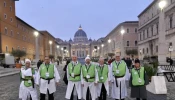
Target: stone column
{"type": "Point", "coordinates": [162, 50]}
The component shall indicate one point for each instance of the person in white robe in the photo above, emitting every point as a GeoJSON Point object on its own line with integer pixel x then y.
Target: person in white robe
{"type": "Point", "coordinates": [119, 75]}
{"type": "Point", "coordinates": [27, 86]}
{"type": "Point", "coordinates": [74, 79]}
{"type": "Point", "coordinates": [89, 80]}
{"type": "Point", "coordinates": [47, 79]}
{"type": "Point", "coordinates": [103, 84]}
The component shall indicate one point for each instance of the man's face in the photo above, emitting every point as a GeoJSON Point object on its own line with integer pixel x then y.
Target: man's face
{"type": "Point", "coordinates": [47, 60]}
{"type": "Point", "coordinates": [74, 58]}
{"type": "Point", "coordinates": [88, 61]}
{"type": "Point", "coordinates": [137, 65]}
{"type": "Point", "coordinates": [117, 58]}
{"type": "Point", "coordinates": [101, 61]}
{"type": "Point", "coordinates": [28, 64]}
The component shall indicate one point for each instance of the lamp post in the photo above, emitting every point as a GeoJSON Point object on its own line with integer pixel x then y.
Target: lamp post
{"type": "Point", "coordinates": [62, 54]}
{"type": "Point", "coordinates": [109, 41]}
{"type": "Point", "coordinates": [170, 50]}
{"type": "Point", "coordinates": [57, 50]}
{"type": "Point", "coordinates": [36, 46]}
{"type": "Point", "coordinates": [122, 43]}
{"type": "Point", "coordinates": [98, 51]}
{"type": "Point", "coordinates": [102, 49]}
{"type": "Point", "coordinates": [161, 43]}
{"type": "Point", "coordinates": [50, 42]}
{"type": "Point", "coordinates": [140, 54]}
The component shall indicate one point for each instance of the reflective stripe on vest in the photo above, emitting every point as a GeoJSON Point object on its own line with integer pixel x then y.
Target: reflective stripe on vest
{"type": "Point", "coordinates": [121, 66]}
{"type": "Point", "coordinates": [89, 71]}
{"type": "Point", "coordinates": [138, 77]}
{"type": "Point", "coordinates": [47, 69]}
{"type": "Point", "coordinates": [102, 73]}
{"type": "Point", "coordinates": [76, 70]}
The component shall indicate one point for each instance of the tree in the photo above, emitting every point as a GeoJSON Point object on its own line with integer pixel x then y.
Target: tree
{"type": "Point", "coordinates": [51, 56]}
{"type": "Point", "coordinates": [18, 53]}
{"type": "Point", "coordinates": [132, 52]}
{"type": "Point", "coordinates": [111, 54]}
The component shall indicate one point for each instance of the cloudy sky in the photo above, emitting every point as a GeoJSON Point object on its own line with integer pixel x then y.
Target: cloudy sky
{"type": "Point", "coordinates": [63, 17]}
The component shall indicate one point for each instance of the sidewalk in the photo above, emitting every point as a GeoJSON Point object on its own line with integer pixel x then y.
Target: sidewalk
{"type": "Point", "coordinates": [8, 71]}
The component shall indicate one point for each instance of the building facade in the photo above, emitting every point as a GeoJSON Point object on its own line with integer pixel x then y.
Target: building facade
{"type": "Point", "coordinates": [117, 42]}
{"type": "Point", "coordinates": [80, 46]}
{"type": "Point", "coordinates": [157, 31]}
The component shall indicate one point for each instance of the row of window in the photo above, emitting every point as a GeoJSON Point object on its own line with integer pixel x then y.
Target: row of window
{"type": "Point", "coordinates": [128, 43]}
{"type": "Point", "coordinates": [146, 33]}
{"type": "Point", "coordinates": [24, 38]}
{"type": "Point", "coordinates": [6, 6]}
{"type": "Point", "coordinates": [5, 16]}
{"type": "Point", "coordinates": [7, 49]}
{"type": "Point", "coordinates": [146, 50]}
{"type": "Point", "coordinates": [127, 30]}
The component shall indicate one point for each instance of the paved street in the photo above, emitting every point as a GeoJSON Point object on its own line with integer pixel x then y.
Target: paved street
{"type": "Point", "coordinates": [9, 89]}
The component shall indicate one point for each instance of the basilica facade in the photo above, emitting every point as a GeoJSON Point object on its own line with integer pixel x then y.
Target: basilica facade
{"type": "Point", "coordinates": [80, 46]}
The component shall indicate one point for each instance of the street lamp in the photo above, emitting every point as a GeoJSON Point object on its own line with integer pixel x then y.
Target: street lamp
{"type": "Point", "coordinates": [109, 40]}
{"type": "Point", "coordinates": [170, 50]}
{"type": "Point", "coordinates": [58, 46]}
{"type": "Point", "coordinates": [122, 34]}
{"type": "Point", "coordinates": [36, 44]}
{"type": "Point", "coordinates": [50, 42]}
{"type": "Point", "coordinates": [162, 4]}
{"type": "Point", "coordinates": [162, 52]}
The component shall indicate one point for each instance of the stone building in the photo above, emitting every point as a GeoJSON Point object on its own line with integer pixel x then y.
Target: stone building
{"type": "Point", "coordinates": [116, 42]}
{"type": "Point", "coordinates": [80, 46]}
{"type": "Point", "coordinates": [157, 31]}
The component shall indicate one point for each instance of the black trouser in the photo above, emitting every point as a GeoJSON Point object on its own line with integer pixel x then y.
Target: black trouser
{"type": "Point", "coordinates": [119, 99]}
{"type": "Point", "coordinates": [72, 95]}
{"type": "Point", "coordinates": [43, 96]}
{"type": "Point", "coordinates": [103, 93]}
{"type": "Point", "coordinates": [88, 94]}
{"type": "Point", "coordinates": [140, 99]}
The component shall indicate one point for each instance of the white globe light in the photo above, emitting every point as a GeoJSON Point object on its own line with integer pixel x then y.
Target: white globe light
{"type": "Point", "coordinates": [109, 41]}
{"type": "Point", "coordinates": [122, 32]}
{"type": "Point", "coordinates": [50, 42]}
{"type": "Point", "coordinates": [36, 33]}
{"type": "Point", "coordinates": [162, 4]}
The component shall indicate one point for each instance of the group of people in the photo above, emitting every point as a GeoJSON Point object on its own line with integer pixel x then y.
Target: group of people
{"type": "Point", "coordinates": [47, 77]}
{"type": "Point", "coordinates": [89, 81]}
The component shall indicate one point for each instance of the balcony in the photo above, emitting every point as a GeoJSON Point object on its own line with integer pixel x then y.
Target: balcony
{"type": "Point", "coordinates": [170, 31]}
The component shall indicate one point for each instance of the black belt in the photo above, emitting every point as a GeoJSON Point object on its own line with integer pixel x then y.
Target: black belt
{"type": "Point", "coordinates": [88, 78]}
{"type": "Point", "coordinates": [31, 80]}
{"type": "Point", "coordinates": [116, 79]}
{"type": "Point", "coordinates": [48, 79]}
{"type": "Point", "coordinates": [75, 75]}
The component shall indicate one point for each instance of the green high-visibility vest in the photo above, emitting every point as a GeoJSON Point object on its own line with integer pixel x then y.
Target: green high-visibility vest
{"type": "Point", "coordinates": [88, 71]}
{"type": "Point", "coordinates": [121, 67]}
{"type": "Point", "coordinates": [76, 70]}
{"type": "Point", "coordinates": [138, 77]}
{"type": "Point", "coordinates": [26, 79]}
{"type": "Point", "coordinates": [102, 73]}
{"type": "Point", "coordinates": [47, 69]}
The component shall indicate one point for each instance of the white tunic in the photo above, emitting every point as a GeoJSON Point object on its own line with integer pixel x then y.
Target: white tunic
{"type": "Point", "coordinates": [71, 84]}
{"type": "Point", "coordinates": [25, 92]}
{"type": "Point", "coordinates": [106, 84]}
{"type": "Point", "coordinates": [119, 92]}
{"type": "Point", "coordinates": [91, 85]}
{"type": "Point", "coordinates": [43, 84]}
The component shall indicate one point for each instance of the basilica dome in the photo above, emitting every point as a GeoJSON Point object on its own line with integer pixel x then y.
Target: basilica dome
{"type": "Point", "coordinates": [80, 35]}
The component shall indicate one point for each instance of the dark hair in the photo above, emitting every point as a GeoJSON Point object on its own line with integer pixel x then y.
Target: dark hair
{"type": "Point", "coordinates": [67, 62]}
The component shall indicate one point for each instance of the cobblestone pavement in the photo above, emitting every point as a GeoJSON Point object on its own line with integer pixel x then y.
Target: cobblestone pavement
{"type": "Point", "coordinates": [9, 89]}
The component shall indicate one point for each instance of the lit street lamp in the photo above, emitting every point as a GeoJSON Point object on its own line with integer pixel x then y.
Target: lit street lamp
{"type": "Point", "coordinates": [162, 52]}
{"type": "Point", "coordinates": [50, 42]}
{"type": "Point", "coordinates": [36, 46]}
{"type": "Point", "coordinates": [170, 50]}
{"type": "Point", "coordinates": [122, 41]}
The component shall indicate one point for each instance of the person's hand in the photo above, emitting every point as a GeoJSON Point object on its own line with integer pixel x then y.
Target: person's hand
{"type": "Point", "coordinates": [82, 85]}
{"type": "Point", "coordinates": [57, 83]}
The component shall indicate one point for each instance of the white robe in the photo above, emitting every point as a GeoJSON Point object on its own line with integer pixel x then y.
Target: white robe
{"type": "Point", "coordinates": [43, 84]}
{"type": "Point", "coordinates": [92, 87]}
{"type": "Point", "coordinates": [106, 84]}
{"type": "Point", "coordinates": [122, 88]}
{"type": "Point", "coordinates": [71, 84]}
{"type": "Point", "coordinates": [25, 92]}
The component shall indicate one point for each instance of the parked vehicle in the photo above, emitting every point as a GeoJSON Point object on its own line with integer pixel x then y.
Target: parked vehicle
{"type": "Point", "coordinates": [7, 60]}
